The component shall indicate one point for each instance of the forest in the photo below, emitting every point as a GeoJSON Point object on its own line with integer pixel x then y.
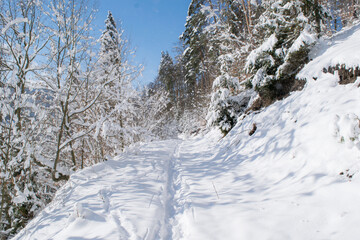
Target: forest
{"type": "Point", "coordinates": [67, 98]}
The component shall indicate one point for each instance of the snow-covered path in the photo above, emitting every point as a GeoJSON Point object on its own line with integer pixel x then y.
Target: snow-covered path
{"type": "Point", "coordinates": [127, 198]}
{"type": "Point", "coordinates": [205, 188]}
{"type": "Point", "coordinates": [195, 189]}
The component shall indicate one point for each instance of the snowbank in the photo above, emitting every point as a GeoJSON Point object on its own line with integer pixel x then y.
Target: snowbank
{"type": "Point", "coordinates": [342, 49]}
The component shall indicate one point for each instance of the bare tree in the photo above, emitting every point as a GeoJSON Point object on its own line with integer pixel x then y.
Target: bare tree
{"type": "Point", "coordinates": [65, 81]}
{"type": "Point", "coordinates": [22, 40]}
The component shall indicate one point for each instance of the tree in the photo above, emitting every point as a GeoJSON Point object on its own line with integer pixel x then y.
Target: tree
{"type": "Point", "coordinates": [342, 12]}
{"type": "Point", "coordinates": [229, 34]}
{"type": "Point", "coordinates": [156, 121]}
{"type": "Point", "coordinates": [198, 55]}
{"type": "Point", "coordinates": [290, 29]}
{"type": "Point", "coordinates": [61, 108]}
{"type": "Point", "coordinates": [166, 75]}
{"type": "Point", "coordinates": [67, 87]}
{"type": "Point", "coordinates": [118, 100]}
{"type": "Point", "coordinates": [22, 41]}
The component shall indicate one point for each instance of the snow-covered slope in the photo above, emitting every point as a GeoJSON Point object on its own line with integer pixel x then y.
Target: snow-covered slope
{"type": "Point", "coordinates": [343, 48]}
{"type": "Point", "coordinates": [296, 177]}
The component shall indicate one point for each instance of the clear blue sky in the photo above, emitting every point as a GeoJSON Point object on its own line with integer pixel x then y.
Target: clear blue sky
{"type": "Point", "coordinates": [151, 26]}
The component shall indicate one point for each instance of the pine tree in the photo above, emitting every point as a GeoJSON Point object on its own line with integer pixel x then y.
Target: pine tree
{"type": "Point", "coordinates": [229, 34]}
{"type": "Point", "coordinates": [166, 75]}
{"type": "Point", "coordinates": [116, 74]}
{"type": "Point", "coordinates": [112, 46]}
{"type": "Point", "coordinates": [199, 55]}
{"type": "Point", "coordinates": [290, 29]}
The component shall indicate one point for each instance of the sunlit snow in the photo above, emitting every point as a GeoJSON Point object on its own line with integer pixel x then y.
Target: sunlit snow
{"type": "Point", "coordinates": [296, 177]}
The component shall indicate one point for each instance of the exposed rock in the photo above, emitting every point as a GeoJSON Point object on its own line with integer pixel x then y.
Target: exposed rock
{"type": "Point", "coordinates": [346, 75]}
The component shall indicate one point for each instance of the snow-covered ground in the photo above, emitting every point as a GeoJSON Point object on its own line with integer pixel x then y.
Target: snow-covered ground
{"type": "Point", "coordinates": [296, 177]}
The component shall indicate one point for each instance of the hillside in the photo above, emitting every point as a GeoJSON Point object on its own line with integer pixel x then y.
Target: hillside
{"type": "Point", "coordinates": [295, 177]}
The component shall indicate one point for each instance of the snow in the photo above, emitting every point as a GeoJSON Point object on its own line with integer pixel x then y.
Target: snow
{"type": "Point", "coordinates": [13, 22]}
{"type": "Point", "coordinates": [122, 198]}
{"type": "Point", "coordinates": [343, 48]}
{"type": "Point", "coordinates": [305, 37]}
{"type": "Point", "coordinates": [296, 177]}
{"type": "Point", "coordinates": [268, 45]}
{"type": "Point", "coordinates": [347, 129]}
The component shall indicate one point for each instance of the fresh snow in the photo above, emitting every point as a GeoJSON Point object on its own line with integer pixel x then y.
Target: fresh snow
{"type": "Point", "coordinates": [343, 48]}
{"type": "Point", "coordinates": [268, 45]}
{"type": "Point", "coordinates": [305, 38]}
{"type": "Point", "coordinates": [13, 22]}
{"type": "Point", "coordinates": [296, 177]}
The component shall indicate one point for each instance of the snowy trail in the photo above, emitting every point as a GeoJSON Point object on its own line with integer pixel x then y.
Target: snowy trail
{"type": "Point", "coordinates": [139, 195]}
{"type": "Point", "coordinates": [208, 188]}
{"type": "Point", "coordinates": [130, 197]}
{"type": "Point", "coordinates": [168, 194]}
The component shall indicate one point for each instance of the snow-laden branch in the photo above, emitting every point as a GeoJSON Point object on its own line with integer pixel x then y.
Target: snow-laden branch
{"type": "Point", "coordinates": [13, 22]}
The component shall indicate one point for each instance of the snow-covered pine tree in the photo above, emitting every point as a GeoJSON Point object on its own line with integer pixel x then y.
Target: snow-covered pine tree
{"type": "Point", "coordinates": [223, 109]}
{"type": "Point", "coordinates": [194, 40]}
{"type": "Point", "coordinates": [199, 56]}
{"type": "Point", "coordinates": [179, 82]}
{"type": "Point", "coordinates": [289, 28]}
{"type": "Point", "coordinates": [118, 98]}
{"type": "Point", "coordinates": [166, 75]}
{"type": "Point", "coordinates": [171, 80]}
{"type": "Point", "coordinates": [182, 101]}
{"type": "Point", "coordinates": [229, 34]}
{"type": "Point", "coordinates": [221, 112]}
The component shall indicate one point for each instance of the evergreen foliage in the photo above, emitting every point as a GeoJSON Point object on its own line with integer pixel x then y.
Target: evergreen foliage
{"type": "Point", "coordinates": [291, 28]}
{"type": "Point", "coordinates": [166, 75]}
{"type": "Point", "coordinates": [200, 54]}
{"type": "Point", "coordinates": [117, 109]}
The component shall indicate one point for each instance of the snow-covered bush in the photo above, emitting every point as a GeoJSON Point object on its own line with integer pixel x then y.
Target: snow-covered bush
{"type": "Point", "coordinates": [346, 129]}
{"type": "Point", "coordinates": [154, 119]}
{"type": "Point", "coordinates": [192, 121]}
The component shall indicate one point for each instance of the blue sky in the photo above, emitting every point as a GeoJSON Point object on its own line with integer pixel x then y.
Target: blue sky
{"type": "Point", "coordinates": [151, 26]}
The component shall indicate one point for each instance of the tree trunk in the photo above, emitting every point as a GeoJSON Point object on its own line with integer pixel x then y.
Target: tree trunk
{"type": "Point", "coordinates": [247, 17]}
{"type": "Point", "coordinates": [317, 16]}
